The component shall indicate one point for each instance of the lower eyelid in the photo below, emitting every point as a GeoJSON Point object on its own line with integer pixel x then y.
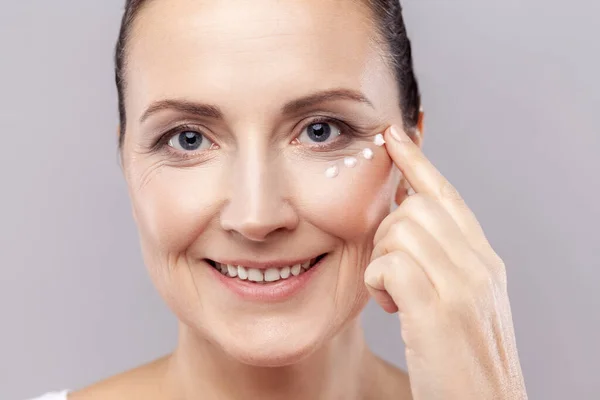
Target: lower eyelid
{"type": "Point", "coordinates": [181, 155]}
{"type": "Point", "coordinates": [341, 141]}
{"type": "Point", "coordinates": [190, 154]}
{"type": "Point", "coordinates": [179, 158]}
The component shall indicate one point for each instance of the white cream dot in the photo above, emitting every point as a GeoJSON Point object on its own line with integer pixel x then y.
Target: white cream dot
{"type": "Point", "coordinates": [332, 172]}
{"type": "Point", "coordinates": [350, 162]}
{"type": "Point", "coordinates": [379, 140]}
{"type": "Point", "coordinates": [368, 153]}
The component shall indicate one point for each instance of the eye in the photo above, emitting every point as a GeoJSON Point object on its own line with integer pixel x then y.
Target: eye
{"type": "Point", "coordinates": [319, 133]}
{"type": "Point", "coordinates": [190, 140]}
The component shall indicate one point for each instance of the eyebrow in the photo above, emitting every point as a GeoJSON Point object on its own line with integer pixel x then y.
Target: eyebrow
{"type": "Point", "coordinates": [323, 96]}
{"type": "Point", "coordinates": [294, 106]}
{"type": "Point", "coordinates": [185, 106]}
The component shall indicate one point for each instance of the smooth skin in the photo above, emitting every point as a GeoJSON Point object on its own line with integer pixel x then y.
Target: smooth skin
{"type": "Point", "coordinates": [262, 193]}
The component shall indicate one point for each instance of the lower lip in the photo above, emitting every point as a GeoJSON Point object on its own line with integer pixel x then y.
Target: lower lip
{"type": "Point", "coordinates": [268, 292]}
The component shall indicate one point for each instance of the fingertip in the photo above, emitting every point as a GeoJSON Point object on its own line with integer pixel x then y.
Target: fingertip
{"type": "Point", "coordinates": [398, 134]}
{"type": "Point", "coordinates": [371, 280]}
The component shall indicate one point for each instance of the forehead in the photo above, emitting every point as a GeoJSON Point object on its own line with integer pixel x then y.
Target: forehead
{"type": "Point", "coordinates": [221, 50]}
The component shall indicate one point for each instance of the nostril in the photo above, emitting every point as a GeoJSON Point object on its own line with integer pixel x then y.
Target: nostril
{"type": "Point", "coordinates": [258, 216]}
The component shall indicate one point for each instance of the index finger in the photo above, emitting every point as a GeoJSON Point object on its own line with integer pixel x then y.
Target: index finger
{"type": "Point", "coordinates": [424, 177]}
{"type": "Point", "coordinates": [418, 170]}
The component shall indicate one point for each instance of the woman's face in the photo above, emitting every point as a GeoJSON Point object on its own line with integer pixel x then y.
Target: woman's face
{"type": "Point", "coordinates": [235, 110]}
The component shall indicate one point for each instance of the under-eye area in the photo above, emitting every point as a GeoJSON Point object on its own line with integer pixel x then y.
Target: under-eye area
{"type": "Point", "coordinates": [265, 275]}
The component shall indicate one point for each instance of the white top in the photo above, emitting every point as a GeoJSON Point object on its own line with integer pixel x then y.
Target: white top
{"type": "Point", "coordinates": [54, 396]}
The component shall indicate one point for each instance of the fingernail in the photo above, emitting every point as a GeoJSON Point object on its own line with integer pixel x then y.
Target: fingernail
{"type": "Point", "coordinates": [398, 135]}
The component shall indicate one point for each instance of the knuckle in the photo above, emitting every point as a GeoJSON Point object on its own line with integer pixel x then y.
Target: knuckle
{"type": "Point", "coordinates": [449, 192]}
{"type": "Point", "coordinates": [403, 270]}
{"type": "Point", "coordinates": [397, 258]}
{"type": "Point", "coordinates": [400, 228]}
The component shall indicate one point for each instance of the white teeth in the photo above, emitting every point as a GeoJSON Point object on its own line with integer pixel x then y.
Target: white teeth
{"type": "Point", "coordinates": [242, 273]}
{"type": "Point", "coordinates": [296, 269]}
{"type": "Point", "coordinates": [272, 275]}
{"type": "Point", "coordinates": [285, 272]}
{"type": "Point", "coordinates": [233, 271]}
{"type": "Point", "coordinates": [255, 275]}
{"type": "Point", "coordinates": [261, 275]}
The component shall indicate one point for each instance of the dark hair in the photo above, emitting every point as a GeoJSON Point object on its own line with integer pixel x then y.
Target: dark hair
{"type": "Point", "coordinates": [391, 29]}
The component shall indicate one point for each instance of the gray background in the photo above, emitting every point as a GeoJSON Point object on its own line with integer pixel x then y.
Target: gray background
{"type": "Point", "coordinates": [511, 90]}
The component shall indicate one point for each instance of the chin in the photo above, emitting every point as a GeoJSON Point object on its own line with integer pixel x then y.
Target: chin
{"type": "Point", "coordinates": [272, 354]}
{"type": "Point", "coordinates": [268, 340]}
{"type": "Point", "coordinates": [279, 341]}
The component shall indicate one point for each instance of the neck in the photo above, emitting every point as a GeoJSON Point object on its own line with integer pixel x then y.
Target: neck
{"type": "Point", "coordinates": [198, 369]}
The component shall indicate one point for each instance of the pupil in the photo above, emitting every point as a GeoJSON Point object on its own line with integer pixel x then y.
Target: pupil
{"type": "Point", "coordinates": [190, 140]}
{"type": "Point", "coordinates": [319, 132]}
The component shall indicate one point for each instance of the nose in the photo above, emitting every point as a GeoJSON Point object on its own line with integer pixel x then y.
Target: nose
{"type": "Point", "coordinates": [259, 203]}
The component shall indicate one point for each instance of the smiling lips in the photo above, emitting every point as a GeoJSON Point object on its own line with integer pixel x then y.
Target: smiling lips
{"type": "Point", "coordinates": [263, 276]}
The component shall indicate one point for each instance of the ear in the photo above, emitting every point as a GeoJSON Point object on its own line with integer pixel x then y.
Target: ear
{"type": "Point", "coordinates": [421, 121]}
{"type": "Point", "coordinates": [419, 131]}
{"type": "Point", "coordinates": [417, 136]}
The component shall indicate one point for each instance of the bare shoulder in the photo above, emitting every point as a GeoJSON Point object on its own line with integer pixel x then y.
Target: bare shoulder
{"type": "Point", "coordinates": [143, 382]}
{"type": "Point", "coordinates": [392, 382]}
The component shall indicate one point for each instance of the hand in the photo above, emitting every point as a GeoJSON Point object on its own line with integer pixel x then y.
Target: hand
{"type": "Point", "coordinates": [432, 263]}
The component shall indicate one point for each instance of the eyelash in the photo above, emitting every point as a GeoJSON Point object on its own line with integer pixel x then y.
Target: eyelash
{"type": "Point", "coordinates": [163, 142]}
{"type": "Point", "coordinates": [346, 131]}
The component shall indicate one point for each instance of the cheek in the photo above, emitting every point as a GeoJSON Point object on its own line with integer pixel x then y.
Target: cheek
{"type": "Point", "coordinates": [173, 206]}
{"type": "Point", "coordinates": [350, 205]}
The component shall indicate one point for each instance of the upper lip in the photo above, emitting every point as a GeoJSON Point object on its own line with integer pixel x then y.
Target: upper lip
{"type": "Point", "coordinates": [264, 264]}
